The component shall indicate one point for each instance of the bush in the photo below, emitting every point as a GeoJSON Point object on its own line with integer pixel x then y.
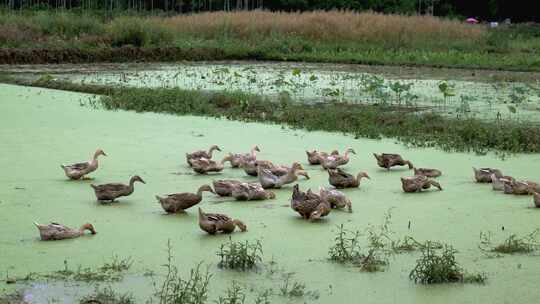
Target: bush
{"type": "Point", "coordinates": [137, 32]}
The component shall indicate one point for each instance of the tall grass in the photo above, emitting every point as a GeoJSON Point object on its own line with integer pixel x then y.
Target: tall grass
{"type": "Point", "coordinates": [324, 26]}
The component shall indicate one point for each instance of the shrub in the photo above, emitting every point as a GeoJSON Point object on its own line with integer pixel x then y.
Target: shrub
{"type": "Point", "coordinates": [137, 32]}
{"type": "Point", "coordinates": [240, 255]}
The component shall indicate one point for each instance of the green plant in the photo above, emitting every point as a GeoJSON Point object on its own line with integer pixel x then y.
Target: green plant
{"type": "Point", "coordinates": [440, 266]}
{"type": "Point", "coordinates": [513, 244]}
{"type": "Point", "coordinates": [295, 289]}
{"type": "Point", "coordinates": [264, 297]}
{"type": "Point", "coordinates": [447, 90]}
{"type": "Point", "coordinates": [235, 295]}
{"type": "Point", "coordinates": [107, 295]}
{"type": "Point", "coordinates": [178, 290]}
{"type": "Point", "coordinates": [408, 244]}
{"type": "Point", "coordinates": [240, 255]}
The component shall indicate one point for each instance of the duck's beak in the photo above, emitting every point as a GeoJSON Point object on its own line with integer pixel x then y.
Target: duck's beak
{"type": "Point", "coordinates": [142, 181]}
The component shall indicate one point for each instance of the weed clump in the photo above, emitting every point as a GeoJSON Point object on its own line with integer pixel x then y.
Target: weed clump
{"type": "Point", "coordinates": [409, 244]}
{"type": "Point", "coordinates": [240, 255]}
{"type": "Point", "coordinates": [235, 295]}
{"type": "Point", "coordinates": [107, 296]}
{"type": "Point", "coordinates": [178, 290]}
{"type": "Point", "coordinates": [374, 257]}
{"type": "Point", "coordinates": [511, 245]}
{"type": "Point", "coordinates": [435, 267]}
{"type": "Point", "coordinates": [295, 289]}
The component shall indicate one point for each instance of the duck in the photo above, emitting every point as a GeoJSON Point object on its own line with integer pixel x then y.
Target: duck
{"type": "Point", "coordinates": [223, 187]}
{"type": "Point", "coordinates": [334, 161]}
{"type": "Point", "coordinates": [178, 202]}
{"type": "Point", "coordinates": [308, 204]}
{"type": "Point", "coordinates": [335, 198]}
{"type": "Point", "coordinates": [112, 191]}
{"type": "Point", "coordinates": [236, 159]}
{"type": "Point", "coordinates": [389, 160]}
{"type": "Point", "coordinates": [251, 191]}
{"type": "Point", "coordinates": [215, 222]}
{"type": "Point", "coordinates": [55, 231]}
{"type": "Point", "coordinates": [427, 172]}
{"type": "Point", "coordinates": [341, 179]}
{"type": "Point", "coordinates": [79, 170]}
{"type": "Point", "coordinates": [497, 183]}
{"type": "Point", "coordinates": [418, 183]}
{"type": "Point", "coordinates": [536, 199]}
{"type": "Point", "coordinates": [250, 167]}
{"type": "Point", "coordinates": [483, 175]}
{"type": "Point", "coordinates": [269, 180]}
{"type": "Point", "coordinates": [201, 154]}
{"type": "Point", "coordinates": [204, 165]}
{"type": "Point", "coordinates": [314, 157]}
{"type": "Point", "coordinates": [517, 187]}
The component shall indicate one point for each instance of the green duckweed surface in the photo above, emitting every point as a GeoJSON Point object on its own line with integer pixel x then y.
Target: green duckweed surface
{"type": "Point", "coordinates": [41, 129]}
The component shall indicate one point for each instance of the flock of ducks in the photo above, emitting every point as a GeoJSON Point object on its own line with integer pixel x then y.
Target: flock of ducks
{"type": "Point", "coordinates": [310, 205]}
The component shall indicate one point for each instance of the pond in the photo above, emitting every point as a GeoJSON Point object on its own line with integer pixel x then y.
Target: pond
{"type": "Point", "coordinates": [490, 95]}
{"type": "Point", "coordinates": [41, 129]}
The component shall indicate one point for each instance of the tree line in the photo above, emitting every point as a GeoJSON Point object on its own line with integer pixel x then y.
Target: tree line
{"type": "Point", "coordinates": [487, 10]}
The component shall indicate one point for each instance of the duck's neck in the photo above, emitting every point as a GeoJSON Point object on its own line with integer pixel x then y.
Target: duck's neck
{"type": "Point", "coordinates": [211, 151]}
{"type": "Point", "coordinates": [253, 153]}
{"type": "Point", "coordinates": [96, 155]}
{"type": "Point", "coordinates": [200, 191]}
{"type": "Point", "coordinates": [132, 183]}
{"type": "Point", "coordinates": [202, 216]}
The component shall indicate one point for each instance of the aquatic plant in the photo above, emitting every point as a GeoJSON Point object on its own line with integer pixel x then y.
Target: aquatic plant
{"type": "Point", "coordinates": [373, 257]}
{"type": "Point", "coordinates": [175, 289]}
{"type": "Point", "coordinates": [107, 295]}
{"type": "Point", "coordinates": [409, 244]}
{"type": "Point", "coordinates": [240, 255]}
{"type": "Point", "coordinates": [263, 297]}
{"type": "Point", "coordinates": [295, 289]}
{"type": "Point", "coordinates": [235, 295]}
{"type": "Point", "coordinates": [440, 266]}
{"type": "Point", "coordinates": [512, 244]}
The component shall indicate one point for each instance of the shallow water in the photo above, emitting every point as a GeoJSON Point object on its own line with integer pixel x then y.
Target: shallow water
{"type": "Point", "coordinates": [470, 96]}
{"type": "Point", "coordinates": [40, 129]}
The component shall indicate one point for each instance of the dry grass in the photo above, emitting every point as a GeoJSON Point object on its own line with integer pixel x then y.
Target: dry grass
{"type": "Point", "coordinates": [323, 26]}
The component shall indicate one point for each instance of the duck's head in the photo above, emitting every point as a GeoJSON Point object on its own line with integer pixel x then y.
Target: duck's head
{"type": "Point", "coordinates": [137, 178]}
{"type": "Point", "coordinates": [215, 147]}
{"type": "Point", "coordinates": [363, 174]}
{"type": "Point", "coordinates": [297, 166]}
{"type": "Point", "coordinates": [99, 152]}
{"type": "Point", "coordinates": [256, 148]}
{"type": "Point", "coordinates": [303, 173]}
{"type": "Point", "coordinates": [270, 195]}
{"type": "Point", "coordinates": [88, 227]}
{"type": "Point", "coordinates": [206, 188]}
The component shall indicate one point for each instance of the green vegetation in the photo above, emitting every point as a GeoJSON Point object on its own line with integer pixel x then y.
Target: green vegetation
{"type": "Point", "coordinates": [240, 255]}
{"type": "Point", "coordinates": [408, 125]}
{"type": "Point", "coordinates": [440, 266]}
{"type": "Point", "coordinates": [374, 257]}
{"type": "Point", "coordinates": [513, 244]}
{"type": "Point", "coordinates": [107, 295]}
{"type": "Point", "coordinates": [409, 244]}
{"type": "Point", "coordinates": [68, 36]}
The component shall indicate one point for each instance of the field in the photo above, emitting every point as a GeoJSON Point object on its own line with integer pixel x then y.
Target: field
{"type": "Point", "coordinates": [147, 89]}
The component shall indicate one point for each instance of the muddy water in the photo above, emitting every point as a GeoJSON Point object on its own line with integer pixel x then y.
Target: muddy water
{"type": "Point", "coordinates": [40, 129]}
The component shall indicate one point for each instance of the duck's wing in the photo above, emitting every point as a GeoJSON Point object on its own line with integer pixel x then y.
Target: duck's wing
{"type": "Point", "coordinates": [78, 166]}
{"type": "Point", "coordinates": [217, 217]}
{"type": "Point", "coordinates": [113, 187]}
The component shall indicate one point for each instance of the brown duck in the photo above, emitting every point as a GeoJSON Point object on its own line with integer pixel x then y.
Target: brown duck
{"type": "Point", "coordinates": [518, 187]}
{"type": "Point", "coordinates": [179, 202]}
{"type": "Point", "coordinates": [204, 165]}
{"type": "Point", "coordinates": [236, 159]}
{"type": "Point", "coordinates": [215, 222]}
{"type": "Point", "coordinates": [335, 198]}
{"type": "Point", "coordinates": [388, 160]}
{"type": "Point", "coordinates": [483, 175]}
{"type": "Point", "coordinates": [341, 179]}
{"type": "Point", "coordinates": [427, 172]}
{"type": "Point", "coordinates": [250, 167]}
{"type": "Point", "coordinates": [418, 183]}
{"type": "Point", "coordinates": [223, 187]}
{"type": "Point", "coordinates": [55, 231]}
{"type": "Point", "coordinates": [334, 161]}
{"type": "Point", "coordinates": [497, 182]}
{"type": "Point", "coordinates": [79, 170]}
{"type": "Point", "coordinates": [112, 191]}
{"type": "Point", "coordinates": [268, 180]}
{"type": "Point", "coordinates": [308, 204]}
{"type": "Point", "coordinates": [250, 192]}
{"type": "Point", "coordinates": [201, 154]}
{"type": "Point", "coordinates": [314, 157]}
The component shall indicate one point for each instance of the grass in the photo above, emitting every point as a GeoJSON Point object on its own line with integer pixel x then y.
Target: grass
{"type": "Point", "coordinates": [294, 289]}
{"type": "Point", "coordinates": [240, 255]}
{"type": "Point", "coordinates": [409, 244]}
{"type": "Point", "coordinates": [331, 36]}
{"type": "Point", "coordinates": [370, 258]}
{"type": "Point", "coordinates": [513, 244]}
{"type": "Point", "coordinates": [107, 295]}
{"type": "Point", "coordinates": [440, 266]}
{"type": "Point", "coordinates": [412, 126]}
